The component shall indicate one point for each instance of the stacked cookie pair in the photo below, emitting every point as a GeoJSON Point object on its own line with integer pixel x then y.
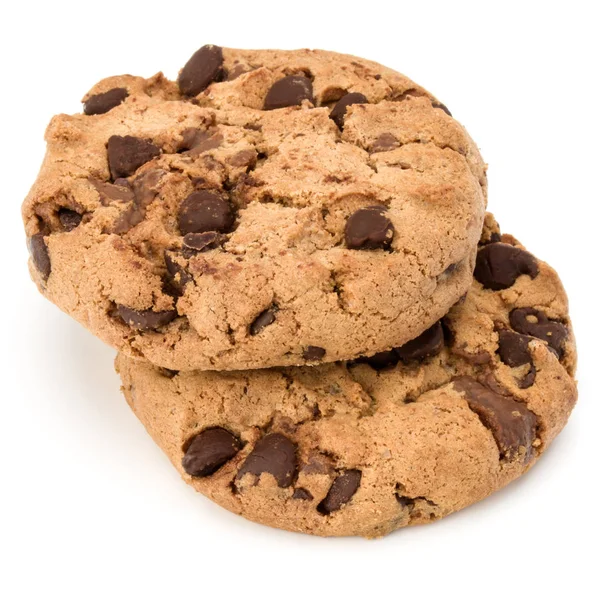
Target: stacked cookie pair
{"type": "Point", "coordinates": [316, 320]}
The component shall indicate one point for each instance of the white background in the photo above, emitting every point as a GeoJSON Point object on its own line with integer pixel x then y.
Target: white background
{"type": "Point", "coordinates": [90, 508]}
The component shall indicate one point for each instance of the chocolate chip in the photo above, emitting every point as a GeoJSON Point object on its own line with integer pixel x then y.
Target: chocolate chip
{"type": "Point", "coordinates": [197, 182]}
{"type": "Point", "coordinates": [302, 494]}
{"type": "Point", "coordinates": [511, 423]}
{"type": "Point", "coordinates": [204, 67]}
{"type": "Point", "coordinates": [341, 491]}
{"type": "Point", "coordinates": [178, 277]}
{"type": "Point", "coordinates": [443, 107]}
{"type": "Point", "coordinates": [168, 373]}
{"type": "Point", "coordinates": [243, 158]}
{"type": "Point", "coordinates": [382, 360]}
{"type": "Point", "coordinates": [498, 266]}
{"type": "Point", "coordinates": [529, 379]}
{"type": "Point", "coordinates": [368, 229]}
{"type": "Point", "coordinates": [211, 163]}
{"type": "Point", "coordinates": [204, 211]}
{"type": "Point", "coordinates": [427, 344]}
{"type": "Point", "coordinates": [274, 454]}
{"type": "Point", "coordinates": [384, 143]}
{"type": "Point", "coordinates": [202, 241]}
{"type": "Point", "coordinates": [530, 321]}
{"type": "Point", "coordinates": [513, 348]}
{"type": "Point", "coordinates": [339, 110]}
{"type": "Point", "coordinates": [313, 353]}
{"type": "Point", "coordinates": [145, 319]}
{"type": "Point", "coordinates": [318, 464]}
{"type": "Point", "coordinates": [99, 104]}
{"type": "Point", "coordinates": [197, 141]}
{"type": "Point", "coordinates": [39, 254]}
{"type": "Point", "coordinates": [144, 193]}
{"type": "Point", "coordinates": [68, 218]}
{"type": "Point", "coordinates": [208, 451]}
{"type": "Point", "coordinates": [289, 91]}
{"type": "Point", "coordinates": [478, 358]}
{"type": "Point", "coordinates": [126, 154]}
{"type": "Point", "coordinates": [144, 187]}
{"type": "Point", "coordinates": [128, 219]}
{"type": "Point", "coordinates": [514, 352]}
{"type": "Point", "coordinates": [265, 318]}
{"type": "Point", "coordinates": [236, 72]}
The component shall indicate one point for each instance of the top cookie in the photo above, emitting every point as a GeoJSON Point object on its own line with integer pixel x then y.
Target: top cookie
{"type": "Point", "coordinates": [270, 208]}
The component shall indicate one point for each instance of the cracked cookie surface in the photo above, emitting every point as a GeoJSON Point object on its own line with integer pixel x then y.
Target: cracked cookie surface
{"type": "Point", "coordinates": [326, 191]}
{"type": "Point", "coordinates": [403, 438]}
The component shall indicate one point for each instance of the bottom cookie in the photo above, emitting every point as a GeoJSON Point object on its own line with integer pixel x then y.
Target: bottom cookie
{"type": "Point", "coordinates": [402, 438]}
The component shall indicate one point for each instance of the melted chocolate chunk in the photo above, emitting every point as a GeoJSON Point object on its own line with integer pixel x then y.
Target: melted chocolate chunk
{"type": "Point", "coordinates": [119, 191]}
{"type": "Point", "coordinates": [99, 104]}
{"type": "Point", "coordinates": [144, 320]}
{"type": "Point", "coordinates": [499, 265]}
{"type": "Point", "coordinates": [514, 352]}
{"type": "Point", "coordinates": [341, 491]}
{"type": "Point", "coordinates": [128, 219]}
{"type": "Point", "coordinates": [197, 141]}
{"type": "Point", "coordinates": [177, 276]}
{"type": "Point", "coordinates": [382, 360]}
{"type": "Point", "coordinates": [144, 193]}
{"type": "Point", "coordinates": [369, 229]}
{"type": "Point", "coordinates": [237, 71]}
{"type": "Point", "coordinates": [513, 348]}
{"type": "Point", "coordinates": [429, 343]}
{"type": "Point", "coordinates": [208, 451]}
{"type": "Point", "coordinates": [274, 454]}
{"type": "Point", "coordinates": [530, 321]}
{"type": "Point", "coordinates": [244, 158]}
{"type": "Point", "coordinates": [384, 143]}
{"type": "Point", "coordinates": [511, 423]}
{"type": "Point", "coordinates": [529, 379]}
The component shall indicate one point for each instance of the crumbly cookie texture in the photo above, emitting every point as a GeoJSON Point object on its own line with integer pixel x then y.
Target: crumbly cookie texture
{"type": "Point", "coordinates": [270, 208]}
{"type": "Point", "coordinates": [402, 438]}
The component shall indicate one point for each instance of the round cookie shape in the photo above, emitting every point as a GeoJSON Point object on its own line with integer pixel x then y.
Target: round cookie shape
{"type": "Point", "coordinates": [268, 208]}
{"type": "Point", "coordinates": [367, 447]}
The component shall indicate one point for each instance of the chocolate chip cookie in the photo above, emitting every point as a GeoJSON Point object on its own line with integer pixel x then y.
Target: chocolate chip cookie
{"type": "Point", "coordinates": [401, 438]}
{"type": "Point", "coordinates": [268, 208]}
